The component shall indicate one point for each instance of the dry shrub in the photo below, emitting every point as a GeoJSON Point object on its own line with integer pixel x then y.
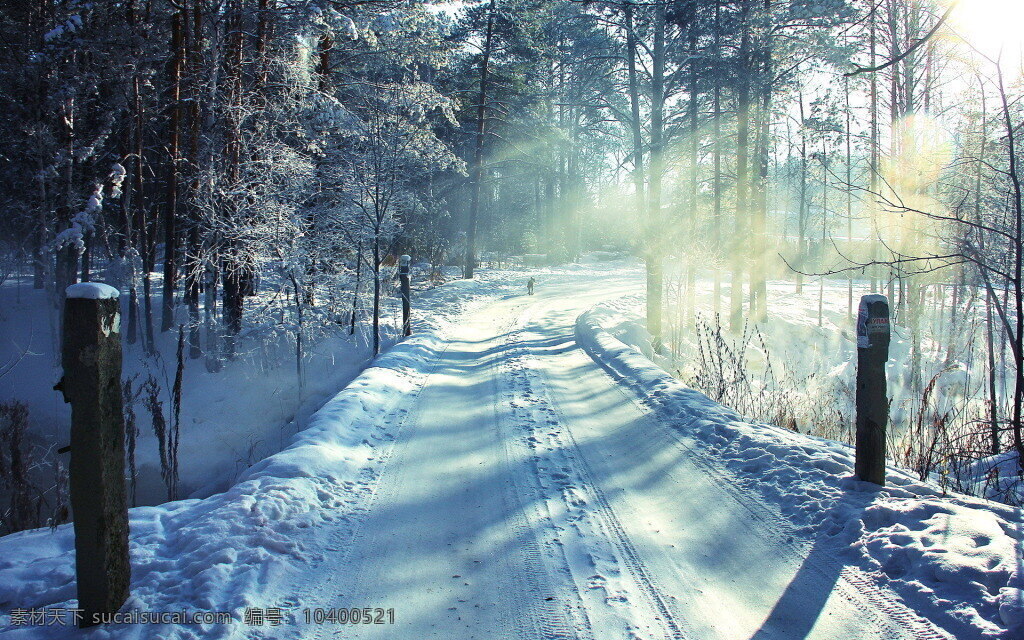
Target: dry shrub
{"type": "Point", "coordinates": [30, 498]}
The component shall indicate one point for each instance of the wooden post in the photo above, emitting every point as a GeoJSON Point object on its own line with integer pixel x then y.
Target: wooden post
{"type": "Point", "coordinates": [872, 403]}
{"type": "Point", "coordinates": [91, 357]}
{"type": "Point", "coordinates": [403, 275]}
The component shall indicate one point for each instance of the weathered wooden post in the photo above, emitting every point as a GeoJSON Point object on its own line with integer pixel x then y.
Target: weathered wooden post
{"type": "Point", "coordinates": [91, 357]}
{"type": "Point", "coordinates": [403, 276]}
{"type": "Point", "coordinates": [872, 403]}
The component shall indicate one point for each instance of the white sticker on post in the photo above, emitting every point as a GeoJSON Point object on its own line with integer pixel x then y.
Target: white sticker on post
{"type": "Point", "coordinates": [866, 326]}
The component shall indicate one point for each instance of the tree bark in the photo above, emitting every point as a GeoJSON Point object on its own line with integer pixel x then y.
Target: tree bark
{"type": "Point", "coordinates": [801, 221]}
{"type": "Point", "coordinates": [193, 256]}
{"type": "Point", "coordinates": [478, 147]}
{"type": "Point", "coordinates": [874, 142]}
{"type": "Point", "coordinates": [693, 178]}
{"type": "Point", "coordinates": [355, 291]}
{"type": "Point", "coordinates": [759, 222]}
{"type": "Point", "coordinates": [742, 170]}
{"type": "Point", "coordinates": [178, 21]}
{"type": "Point", "coordinates": [233, 266]}
{"type": "Point", "coordinates": [376, 292]}
{"type": "Point", "coordinates": [717, 142]}
{"type": "Point", "coordinates": [655, 228]}
{"type": "Point", "coordinates": [849, 199]}
{"type": "Point", "coordinates": [1018, 266]}
{"type": "Point", "coordinates": [146, 249]}
{"type": "Point", "coordinates": [634, 109]}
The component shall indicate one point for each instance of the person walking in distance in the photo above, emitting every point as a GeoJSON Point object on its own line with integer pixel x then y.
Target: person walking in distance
{"type": "Point", "coordinates": [529, 285]}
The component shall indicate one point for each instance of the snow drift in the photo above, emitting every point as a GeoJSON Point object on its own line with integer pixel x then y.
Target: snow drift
{"type": "Point", "coordinates": [955, 559]}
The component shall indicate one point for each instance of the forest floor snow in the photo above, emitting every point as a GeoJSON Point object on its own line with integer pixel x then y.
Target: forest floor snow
{"type": "Point", "coordinates": [231, 418]}
{"type": "Point", "coordinates": [519, 471]}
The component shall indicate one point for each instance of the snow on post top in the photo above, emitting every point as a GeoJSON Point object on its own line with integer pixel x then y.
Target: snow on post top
{"type": "Point", "coordinates": [92, 291]}
{"type": "Point", "coordinates": [873, 297]}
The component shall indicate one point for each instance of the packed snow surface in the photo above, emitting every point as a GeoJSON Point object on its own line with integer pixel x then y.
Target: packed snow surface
{"type": "Point", "coordinates": [523, 472]}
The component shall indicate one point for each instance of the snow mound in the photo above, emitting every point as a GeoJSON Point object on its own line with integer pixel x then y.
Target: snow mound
{"type": "Point", "coordinates": [92, 291]}
{"type": "Point", "coordinates": [955, 559]}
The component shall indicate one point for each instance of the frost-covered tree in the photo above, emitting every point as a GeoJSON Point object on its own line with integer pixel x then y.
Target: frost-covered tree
{"type": "Point", "coordinates": [392, 152]}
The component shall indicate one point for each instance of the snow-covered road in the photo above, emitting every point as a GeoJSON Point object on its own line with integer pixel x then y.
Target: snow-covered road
{"type": "Point", "coordinates": [517, 470]}
{"type": "Point", "coordinates": [528, 494]}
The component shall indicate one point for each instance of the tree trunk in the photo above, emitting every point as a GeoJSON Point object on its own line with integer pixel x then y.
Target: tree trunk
{"type": "Point", "coordinates": [1018, 268]}
{"type": "Point", "coordinates": [693, 183]}
{"type": "Point", "coordinates": [355, 292]}
{"type": "Point", "coordinates": [67, 258]}
{"type": "Point", "coordinates": [193, 259]}
{"type": "Point", "coordinates": [233, 277]}
{"type": "Point", "coordinates": [824, 230]}
{"type": "Point", "coordinates": [478, 149]}
{"type": "Point", "coordinates": [801, 221]}
{"type": "Point", "coordinates": [178, 21]}
{"type": "Point", "coordinates": [873, 170]}
{"type": "Point", "coordinates": [849, 200]}
{"type": "Point", "coordinates": [233, 266]}
{"type": "Point", "coordinates": [759, 270]}
{"type": "Point", "coordinates": [193, 289]}
{"type": "Point", "coordinates": [742, 171]}
{"type": "Point", "coordinates": [993, 401]}
{"type": "Point", "coordinates": [376, 292]}
{"type": "Point", "coordinates": [717, 151]}
{"type": "Point", "coordinates": [634, 109]}
{"type": "Point", "coordinates": [655, 229]}
{"type": "Point", "coordinates": [211, 277]}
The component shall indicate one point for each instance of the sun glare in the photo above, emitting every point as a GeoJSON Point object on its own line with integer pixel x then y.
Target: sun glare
{"type": "Point", "coordinates": [992, 26]}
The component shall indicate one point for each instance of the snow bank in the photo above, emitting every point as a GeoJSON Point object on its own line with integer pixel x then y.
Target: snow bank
{"type": "Point", "coordinates": [218, 554]}
{"type": "Point", "coordinates": [955, 559]}
{"type": "Point", "coordinates": [222, 552]}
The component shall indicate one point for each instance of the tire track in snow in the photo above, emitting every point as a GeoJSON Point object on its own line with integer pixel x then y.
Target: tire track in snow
{"type": "Point", "coordinates": [347, 532]}
{"type": "Point", "coordinates": [886, 608]}
{"type": "Point", "coordinates": [551, 619]}
{"type": "Point", "coordinates": [887, 603]}
{"type": "Point", "coordinates": [558, 466]}
{"type": "Point", "coordinates": [536, 612]}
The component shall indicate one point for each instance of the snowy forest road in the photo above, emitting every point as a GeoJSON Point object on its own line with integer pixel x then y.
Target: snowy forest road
{"type": "Point", "coordinates": [528, 494]}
